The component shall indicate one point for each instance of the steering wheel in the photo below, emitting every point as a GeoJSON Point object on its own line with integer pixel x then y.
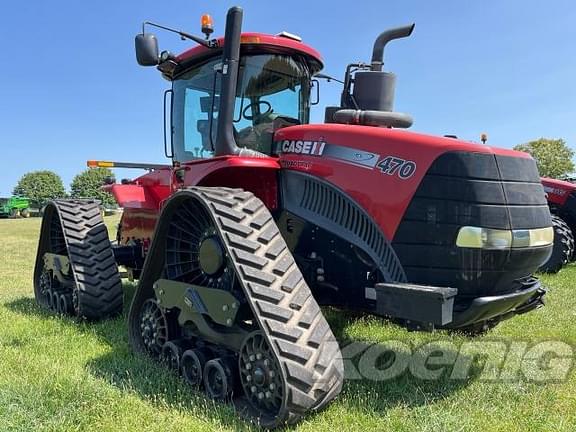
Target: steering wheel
{"type": "Point", "coordinates": [257, 116]}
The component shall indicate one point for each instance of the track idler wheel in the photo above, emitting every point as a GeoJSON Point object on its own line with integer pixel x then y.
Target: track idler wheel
{"type": "Point", "coordinates": [60, 308]}
{"type": "Point", "coordinates": [260, 375]}
{"type": "Point", "coordinates": [219, 378]}
{"type": "Point", "coordinates": [44, 292]}
{"type": "Point", "coordinates": [153, 327]}
{"type": "Point", "coordinates": [192, 365]}
{"type": "Point", "coordinates": [171, 355]}
{"type": "Point", "coordinates": [65, 304]}
{"type": "Point", "coordinates": [52, 300]}
{"type": "Point", "coordinates": [75, 302]}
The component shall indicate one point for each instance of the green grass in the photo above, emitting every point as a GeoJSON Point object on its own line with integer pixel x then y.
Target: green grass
{"type": "Point", "coordinates": [56, 375]}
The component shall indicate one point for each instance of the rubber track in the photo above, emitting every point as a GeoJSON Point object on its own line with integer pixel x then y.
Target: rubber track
{"type": "Point", "coordinates": [90, 254]}
{"type": "Point", "coordinates": [281, 301]}
{"type": "Point", "coordinates": [563, 249]}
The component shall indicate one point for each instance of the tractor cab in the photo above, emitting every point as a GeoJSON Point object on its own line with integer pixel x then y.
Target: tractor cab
{"type": "Point", "coordinates": [230, 98]}
{"type": "Point", "coordinates": [230, 95]}
{"type": "Point", "coordinates": [273, 91]}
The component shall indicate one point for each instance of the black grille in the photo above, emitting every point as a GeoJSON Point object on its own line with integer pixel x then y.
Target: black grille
{"type": "Point", "coordinates": [473, 189]}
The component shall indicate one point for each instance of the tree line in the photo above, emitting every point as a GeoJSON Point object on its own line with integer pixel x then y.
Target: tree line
{"type": "Point", "coordinates": [553, 157]}
{"type": "Point", "coordinates": [42, 186]}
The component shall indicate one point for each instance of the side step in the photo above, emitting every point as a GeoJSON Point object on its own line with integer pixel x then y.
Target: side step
{"type": "Point", "coordinates": [420, 303]}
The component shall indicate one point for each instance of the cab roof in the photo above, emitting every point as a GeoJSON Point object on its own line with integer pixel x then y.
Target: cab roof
{"type": "Point", "coordinates": [257, 43]}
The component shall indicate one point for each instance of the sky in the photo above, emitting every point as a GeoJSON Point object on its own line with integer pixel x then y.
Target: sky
{"type": "Point", "coordinates": [71, 90]}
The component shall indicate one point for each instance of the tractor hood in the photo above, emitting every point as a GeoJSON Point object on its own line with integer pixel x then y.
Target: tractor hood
{"type": "Point", "coordinates": [376, 139]}
{"type": "Point", "coordinates": [425, 194]}
{"type": "Point", "coordinates": [382, 167]}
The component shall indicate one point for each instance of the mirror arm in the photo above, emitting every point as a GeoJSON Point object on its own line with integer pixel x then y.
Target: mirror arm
{"type": "Point", "coordinates": [327, 78]}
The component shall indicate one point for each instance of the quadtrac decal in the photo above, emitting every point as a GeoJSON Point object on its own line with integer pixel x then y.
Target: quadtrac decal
{"type": "Point", "coordinates": [395, 166]}
{"type": "Point", "coordinates": [296, 164]}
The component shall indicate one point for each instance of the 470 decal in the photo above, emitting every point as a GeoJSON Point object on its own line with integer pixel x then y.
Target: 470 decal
{"type": "Point", "coordinates": [393, 165]}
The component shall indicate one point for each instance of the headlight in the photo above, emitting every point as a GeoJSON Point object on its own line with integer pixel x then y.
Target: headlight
{"type": "Point", "coordinates": [539, 237]}
{"type": "Point", "coordinates": [487, 238]}
{"type": "Point", "coordinates": [484, 238]}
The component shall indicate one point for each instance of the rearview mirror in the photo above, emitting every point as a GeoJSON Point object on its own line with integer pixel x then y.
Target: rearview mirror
{"type": "Point", "coordinates": [146, 49]}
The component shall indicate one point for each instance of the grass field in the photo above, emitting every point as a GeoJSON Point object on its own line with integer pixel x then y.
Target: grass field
{"type": "Point", "coordinates": [56, 375]}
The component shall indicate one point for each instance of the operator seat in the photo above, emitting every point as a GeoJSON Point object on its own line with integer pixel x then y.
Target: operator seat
{"type": "Point", "coordinates": [203, 127]}
{"type": "Point", "coordinates": [260, 136]}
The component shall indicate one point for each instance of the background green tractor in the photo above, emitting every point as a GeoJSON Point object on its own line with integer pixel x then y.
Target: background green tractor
{"type": "Point", "coordinates": [14, 207]}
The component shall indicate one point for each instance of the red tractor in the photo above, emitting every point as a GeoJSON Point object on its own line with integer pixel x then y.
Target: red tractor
{"type": "Point", "coordinates": [262, 217]}
{"type": "Point", "coordinates": [562, 201]}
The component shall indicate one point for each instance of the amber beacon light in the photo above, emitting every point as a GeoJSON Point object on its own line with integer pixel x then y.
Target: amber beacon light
{"type": "Point", "coordinates": [207, 25]}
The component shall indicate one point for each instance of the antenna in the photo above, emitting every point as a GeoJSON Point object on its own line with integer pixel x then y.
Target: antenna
{"type": "Point", "coordinates": [183, 35]}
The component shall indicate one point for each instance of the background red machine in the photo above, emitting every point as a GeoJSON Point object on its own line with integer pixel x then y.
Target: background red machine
{"type": "Point", "coordinates": [562, 201]}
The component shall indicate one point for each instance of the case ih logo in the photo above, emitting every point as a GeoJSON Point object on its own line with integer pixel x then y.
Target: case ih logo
{"type": "Point", "coordinates": [555, 191]}
{"type": "Point", "coordinates": [314, 148]}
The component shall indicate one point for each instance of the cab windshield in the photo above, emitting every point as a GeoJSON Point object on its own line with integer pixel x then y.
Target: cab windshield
{"type": "Point", "coordinates": [272, 92]}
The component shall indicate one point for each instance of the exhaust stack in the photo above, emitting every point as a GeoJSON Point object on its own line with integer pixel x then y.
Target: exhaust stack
{"type": "Point", "coordinates": [370, 102]}
{"type": "Point", "coordinates": [382, 41]}
{"type": "Point", "coordinates": [373, 88]}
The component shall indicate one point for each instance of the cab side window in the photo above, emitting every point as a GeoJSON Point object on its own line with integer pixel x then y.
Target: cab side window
{"type": "Point", "coordinates": [195, 112]}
